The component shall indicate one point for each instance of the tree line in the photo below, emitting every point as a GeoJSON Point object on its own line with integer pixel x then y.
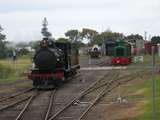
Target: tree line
{"type": "Point", "coordinates": [3, 42]}
{"type": "Point", "coordinates": [90, 35]}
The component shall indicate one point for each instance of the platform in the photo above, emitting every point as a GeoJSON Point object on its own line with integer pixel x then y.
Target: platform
{"type": "Point", "coordinates": [103, 68]}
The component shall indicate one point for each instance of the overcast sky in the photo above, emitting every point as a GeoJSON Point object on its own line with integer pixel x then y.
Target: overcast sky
{"type": "Point", "coordinates": [22, 19]}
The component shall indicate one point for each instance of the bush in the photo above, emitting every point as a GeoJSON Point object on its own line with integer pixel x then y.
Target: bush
{"type": "Point", "coordinates": [5, 71]}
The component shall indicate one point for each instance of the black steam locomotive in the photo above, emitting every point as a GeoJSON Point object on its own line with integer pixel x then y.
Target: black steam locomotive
{"type": "Point", "coordinates": [54, 63]}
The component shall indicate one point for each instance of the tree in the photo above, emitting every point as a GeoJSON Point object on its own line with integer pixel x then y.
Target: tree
{"type": "Point", "coordinates": [62, 40]}
{"type": "Point", "coordinates": [134, 37]}
{"type": "Point", "coordinates": [80, 44]}
{"type": "Point", "coordinates": [44, 30]}
{"type": "Point", "coordinates": [73, 35]}
{"type": "Point", "coordinates": [2, 44]}
{"type": "Point", "coordinates": [155, 39]}
{"type": "Point", "coordinates": [2, 36]}
{"type": "Point", "coordinates": [89, 34]}
{"type": "Point", "coordinates": [34, 44]}
{"type": "Point", "coordinates": [98, 39]}
{"type": "Point", "coordinates": [107, 35]}
{"type": "Point", "coordinates": [22, 44]}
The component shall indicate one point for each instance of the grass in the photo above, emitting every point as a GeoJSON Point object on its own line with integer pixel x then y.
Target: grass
{"type": "Point", "coordinates": [140, 94]}
{"type": "Point", "coordinates": [10, 71]}
{"type": "Point", "coordinates": [146, 104]}
{"type": "Point", "coordinates": [148, 59]}
{"type": "Point", "coordinates": [147, 114]}
{"type": "Point", "coordinates": [144, 99]}
{"type": "Point", "coordinates": [147, 62]}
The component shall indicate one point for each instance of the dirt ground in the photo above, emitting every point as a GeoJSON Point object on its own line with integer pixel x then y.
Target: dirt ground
{"type": "Point", "coordinates": [121, 104]}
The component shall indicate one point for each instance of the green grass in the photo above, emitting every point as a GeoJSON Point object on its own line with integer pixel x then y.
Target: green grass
{"type": "Point", "coordinates": [148, 59]}
{"type": "Point", "coordinates": [147, 108]}
{"type": "Point", "coordinates": [10, 72]}
{"type": "Point", "coordinates": [147, 62]}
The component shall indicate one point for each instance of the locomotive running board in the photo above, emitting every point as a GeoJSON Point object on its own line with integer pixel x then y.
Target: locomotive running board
{"type": "Point", "coordinates": [103, 68]}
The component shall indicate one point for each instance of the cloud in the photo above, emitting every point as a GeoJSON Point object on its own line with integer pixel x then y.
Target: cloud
{"type": "Point", "coordinates": [22, 19]}
{"type": "Point", "coordinates": [39, 5]}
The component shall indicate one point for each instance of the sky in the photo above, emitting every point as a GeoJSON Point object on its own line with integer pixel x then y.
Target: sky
{"type": "Point", "coordinates": [22, 19]}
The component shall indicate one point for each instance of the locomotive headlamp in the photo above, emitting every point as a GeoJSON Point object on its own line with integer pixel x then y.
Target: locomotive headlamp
{"type": "Point", "coordinates": [58, 59]}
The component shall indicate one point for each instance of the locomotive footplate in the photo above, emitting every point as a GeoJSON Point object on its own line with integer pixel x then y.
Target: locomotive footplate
{"type": "Point", "coordinates": [33, 76]}
{"type": "Point", "coordinates": [46, 76]}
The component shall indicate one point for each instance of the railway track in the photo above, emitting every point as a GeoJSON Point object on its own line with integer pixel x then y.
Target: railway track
{"type": "Point", "coordinates": [4, 98]}
{"type": "Point", "coordinates": [25, 103]}
{"type": "Point", "coordinates": [26, 106]}
{"type": "Point", "coordinates": [14, 99]}
{"type": "Point", "coordinates": [82, 102]}
{"type": "Point", "coordinates": [22, 102]}
{"type": "Point", "coordinates": [50, 105]}
{"type": "Point", "coordinates": [104, 89]}
{"type": "Point", "coordinates": [82, 95]}
{"type": "Point", "coordinates": [15, 94]}
{"type": "Point", "coordinates": [107, 90]}
{"type": "Point", "coordinates": [100, 61]}
{"type": "Point", "coordinates": [29, 104]}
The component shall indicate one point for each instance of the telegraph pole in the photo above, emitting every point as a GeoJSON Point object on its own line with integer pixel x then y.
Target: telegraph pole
{"type": "Point", "coordinates": [145, 35]}
{"type": "Point", "coordinates": [154, 116]}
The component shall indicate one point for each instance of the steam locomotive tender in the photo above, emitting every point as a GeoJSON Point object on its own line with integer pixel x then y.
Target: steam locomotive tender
{"type": "Point", "coordinates": [54, 63]}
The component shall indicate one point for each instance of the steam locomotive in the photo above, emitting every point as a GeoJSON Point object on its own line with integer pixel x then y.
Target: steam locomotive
{"type": "Point", "coordinates": [54, 63]}
{"type": "Point", "coordinates": [95, 52]}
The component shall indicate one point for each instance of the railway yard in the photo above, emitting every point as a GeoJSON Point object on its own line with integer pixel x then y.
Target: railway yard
{"type": "Point", "coordinates": [90, 95]}
{"type": "Point", "coordinates": [79, 60]}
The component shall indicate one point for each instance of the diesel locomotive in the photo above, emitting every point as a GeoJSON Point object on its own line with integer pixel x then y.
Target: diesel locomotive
{"type": "Point", "coordinates": [121, 53]}
{"type": "Point", "coordinates": [54, 63]}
